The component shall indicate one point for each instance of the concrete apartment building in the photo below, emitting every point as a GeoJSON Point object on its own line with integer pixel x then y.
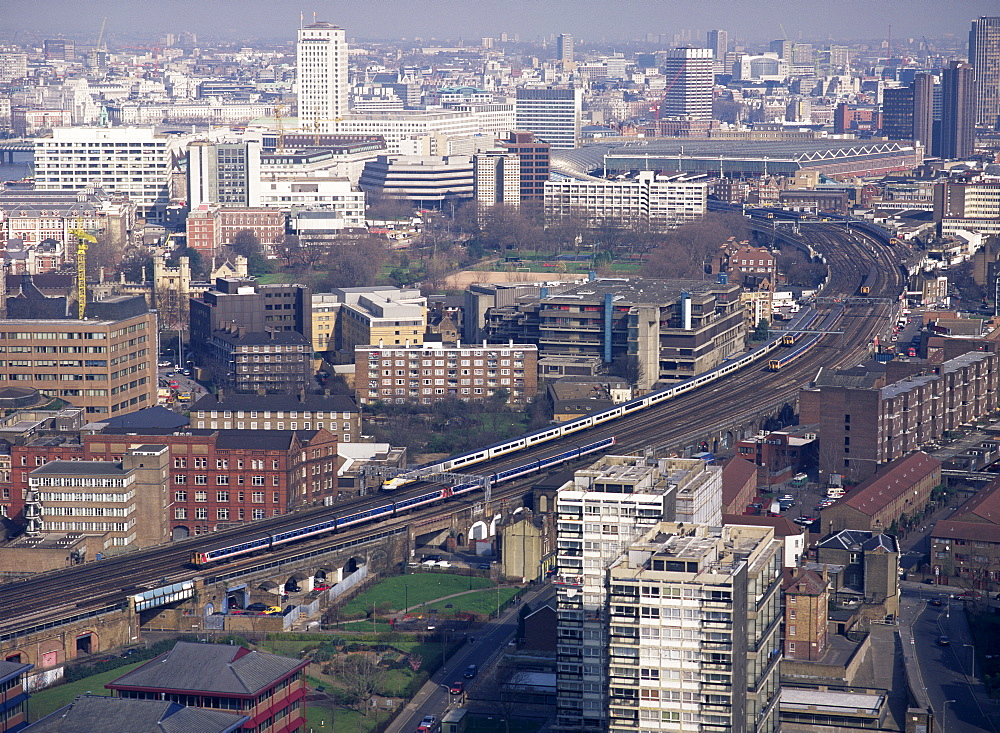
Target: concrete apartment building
{"type": "Point", "coordinates": [320, 193]}
{"type": "Point", "coordinates": [497, 178]}
{"type": "Point", "coordinates": [867, 420]}
{"type": "Point", "coordinates": [673, 328]}
{"type": "Point", "coordinates": [432, 372]}
{"type": "Point", "coordinates": [973, 206]}
{"type": "Point", "coordinates": [604, 508]}
{"type": "Point", "coordinates": [223, 173]}
{"type": "Point", "coordinates": [104, 365]}
{"type": "Point", "coordinates": [379, 315]}
{"type": "Point", "coordinates": [137, 162]}
{"type": "Point", "coordinates": [124, 501]}
{"type": "Point", "coordinates": [261, 362]}
{"type": "Point", "coordinates": [984, 55]}
{"type": "Point", "coordinates": [432, 131]}
{"type": "Point", "coordinates": [426, 181]}
{"type": "Point", "coordinates": [661, 201]}
{"type": "Point", "coordinates": [693, 614]}
{"type": "Point", "coordinates": [901, 489]}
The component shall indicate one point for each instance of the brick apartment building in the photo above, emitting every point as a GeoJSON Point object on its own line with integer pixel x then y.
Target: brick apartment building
{"type": "Point", "coordinates": [217, 478]}
{"type": "Point", "coordinates": [965, 548]}
{"type": "Point", "coordinates": [434, 372]}
{"type": "Point", "coordinates": [753, 264]}
{"type": "Point", "coordinates": [13, 698]}
{"type": "Point", "coordinates": [807, 598]}
{"type": "Point", "coordinates": [212, 227]}
{"type": "Point", "coordinates": [268, 688]}
{"type": "Point", "coordinates": [898, 491]}
{"type": "Point", "coordinates": [335, 413]}
{"type": "Point", "coordinates": [874, 414]}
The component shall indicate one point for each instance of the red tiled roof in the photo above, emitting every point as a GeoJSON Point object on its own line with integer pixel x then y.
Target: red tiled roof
{"type": "Point", "coordinates": [984, 506]}
{"type": "Point", "coordinates": [800, 580]}
{"type": "Point", "coordinates": [782, 527]}
{"type": "Point", "coordinates": [950, 529]}
{"type": "Point", "coordinates": [873, 495]}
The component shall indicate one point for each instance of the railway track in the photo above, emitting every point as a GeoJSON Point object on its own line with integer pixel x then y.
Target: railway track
{"type": "Point", "coordinates": [853, 259]}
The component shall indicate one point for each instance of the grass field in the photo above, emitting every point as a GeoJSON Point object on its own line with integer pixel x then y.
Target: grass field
{"type": "Point", "coordinates": [48, 701]}
{"type": "Point", "coordinates": [416, 589]}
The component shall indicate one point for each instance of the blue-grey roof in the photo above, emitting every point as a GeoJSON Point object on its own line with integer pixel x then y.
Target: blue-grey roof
{"type": "Point", "coordinates": [9, 670]}
{"type": "Point", "coordinates": [89, 713]}
{"type": "Point", "coordinates": [867, 541]}
{"type": "Point", "coordinates": [149, 417]}
{"type": "Point", "coordinates": [215, 668]}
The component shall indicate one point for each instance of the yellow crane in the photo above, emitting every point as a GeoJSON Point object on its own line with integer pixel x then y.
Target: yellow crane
{"type": "Point", "coordinates": [316, 128]}
{"type": "Point", "coordinates": [279, 112]}
{"type": "Point", "coordinates": [83, 240]}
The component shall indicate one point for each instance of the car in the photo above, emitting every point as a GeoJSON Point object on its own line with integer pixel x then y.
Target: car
{"type": "Point", "coordinates": [457, 688]}
{"type": "Point", "coordinates": [163, 364]}
{"type": "Point", "coordinates": [429, 720]}
{"type": "Point", "coordinates": [804, 520]}
{"type": "Point", "coordinates": [936, 602]}
{"type": "Point", "coordinates": [433, 558]}
{"type": "Point", "coordinates": [943, 641]}
{"type": "Point", "coordinates": [786, 497]}
{"type": "Point", "coordinates": [174, 384]}
{"type": "Point", "coordinates": [273, 610]}
{"type": "Point", "coordinates": [186, 372]}
{"type": "Point", "coordinates": [321, 586]}
{"type": "Point", "coordinates": [483, 566]}
{"type": "Point", "coordinates": [470, 671]}
{"type": "Point", "coordinates": [258, 607]}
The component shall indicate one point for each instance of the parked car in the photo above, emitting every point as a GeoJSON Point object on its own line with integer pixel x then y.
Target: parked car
{"type": "Point", "coordinates": [457, 688]}
{"type": "Point", "coordinates": [257, 607]}
{"type": "Point", "coordinates": [943, 641]}
{"type": "Point", "coordinates": [470, 671]}
{"type": "Point", "coordinates": [936, 602]}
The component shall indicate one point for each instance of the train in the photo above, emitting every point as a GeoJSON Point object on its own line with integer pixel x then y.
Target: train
{"type": "Point", "coordinates": [267, 540]}
{"type": "Point", "coordinates": [803, 320]}
{"type": "Point", "coordinates": [807, 342]}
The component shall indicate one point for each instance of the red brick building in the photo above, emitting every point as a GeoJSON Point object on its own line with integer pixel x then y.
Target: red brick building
{"type": "Point", "coordinates": [218, 478]}
{"type": "Point", "coordinates": [739, 485]}
{"type": "Point", "coordinates": [268, 688]}
{"type": "Point", "coordinates": [210, 227]}
{"type": "Point", "coordinates": [13, 698]}
{"type": "Point", "coordinates": [753, 263]}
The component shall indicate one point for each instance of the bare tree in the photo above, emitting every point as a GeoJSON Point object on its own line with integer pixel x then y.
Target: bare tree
{"type": "Point", "coordinates": [503, 690]}
{"type": "Point", "coordinates": [362, 676]}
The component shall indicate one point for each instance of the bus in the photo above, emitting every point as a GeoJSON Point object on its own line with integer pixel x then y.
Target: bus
{"type": "Point", "coordinates": [800, 479]}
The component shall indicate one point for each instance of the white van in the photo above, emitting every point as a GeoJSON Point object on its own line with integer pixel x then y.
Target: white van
{"type": "Point", "coordinates": [835, 492]}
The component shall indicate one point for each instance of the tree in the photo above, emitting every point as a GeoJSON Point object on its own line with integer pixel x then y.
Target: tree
{"type": "Point", "coordinates": [761, 330]}
{"type": "Point", "coordinates": [362, 676]}
{"type": "Point", "coordinates": [247, 243]}
{"type": "Point", "coordinates": [505, 689]}
{"type": "Point", "coordinates": [628, 368]}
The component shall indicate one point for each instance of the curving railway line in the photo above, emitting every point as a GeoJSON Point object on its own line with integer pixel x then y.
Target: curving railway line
{"type": "Point", "coordinates": [853, 259]}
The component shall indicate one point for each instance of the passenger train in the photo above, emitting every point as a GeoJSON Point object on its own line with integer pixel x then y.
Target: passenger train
{"type": "Point", "coordinates": [266, 541]}
{"type": "Point", "coordinates": [803, 320]}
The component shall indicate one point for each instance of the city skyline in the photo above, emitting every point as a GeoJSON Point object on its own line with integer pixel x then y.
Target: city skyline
{"type": "Point", "coordinates": [529, 19]}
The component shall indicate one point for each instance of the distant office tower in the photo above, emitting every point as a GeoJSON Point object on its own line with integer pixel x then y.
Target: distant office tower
{"type": "Point", "coordinates": [718, 41]}
{"type": "Point", "coordinates": [690, 78]}
{"type": "Point", "coordinates": [802, 53]}
{"type": "Point", "coordinates": [564, 48]}
{"type": "Point", "coordinates": [322, 76]}
{"type": "Point", "coordinates": [908, 112]}
{"type": "Point", "coordinates": [840, 56]}
{"type": "Point", "coordinates": [782, 47]}
{"type": "Point", "coordinates": [552, 114]}
{"type": "Point", "coordinates": [956, 132]}
{"type": "Point", "coordinates": [497, 178]}
{"type": "Point", "coordinates": [227, 174]}
{"type": "Point", "coordinates": [984, 55]}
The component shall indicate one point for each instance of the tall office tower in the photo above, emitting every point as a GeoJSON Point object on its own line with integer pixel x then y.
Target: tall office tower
{"type": "Point", "coordinates": [923, 111]}
{"type": "Point", "coordinates": [956, 138]}
{"type": "Point", "coordinates": [322, 76]}
{"type": "Point", "coordinates": [564, 48]}
{"type": "Point", "coordinates": [782, 47]}
{"type": "Point", "coordinates": [689, 74]}
{"type": "Point", "coordinates": [606, 507]}
{"type": "Point", "coordinates": [693, 617]}
{"type": "Point", "coordinates": [897, 113]}
{"type": "Point", "coordinates": [718, 41]}
{"type": "Point", "coordinates": [227, 174]}
{"type": "Point", "coordinates": [534, 156]}
{"type": "Point", "coordinates": [802, 53]}
{"type": "Point", "coordinates": [552, 114]}
{"type": "Point", "coordinates": [984, 55]}
{"type": "Point", "coordinates": [497, 178]}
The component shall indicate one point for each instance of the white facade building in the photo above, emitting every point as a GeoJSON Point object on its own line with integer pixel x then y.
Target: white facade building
{"type": "Point", "coordinates": [395, 127]}
{"type": "Point", "coordinates": [552, 114]}
{"type": "Point", "coordinates": [225, 173]}
{"type": "Point", "coordinates": [315, 192]}
{"type": "Point", "coordinates": [323, 83]}
{"type": "Point", "coordinates": [663, 202]}
{"type": "Point", "coordinates": [497, 178]}
{"type": "Point", "coordinates": [133, 161]}
{"type": "Point", "coordinates": [690, 78]}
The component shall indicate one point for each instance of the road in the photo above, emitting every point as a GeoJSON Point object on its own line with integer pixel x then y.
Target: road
{"type": "Point", "coordinates": [946, 671]}
{"type": "Point", "coordinates": [491, 641]}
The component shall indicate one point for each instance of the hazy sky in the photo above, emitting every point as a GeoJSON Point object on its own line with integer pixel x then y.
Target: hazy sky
{"type": "Point", "coordinates": [470, 19]}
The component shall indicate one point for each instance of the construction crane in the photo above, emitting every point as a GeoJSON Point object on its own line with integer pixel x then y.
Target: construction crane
{"type": "Point", "coordinates": [279, 111]}
{"type": "Point", "coordinates": [83, 240]}
{"type": "Point", "coordinates": [100, 36]}
{"type": "Point", "coordinates": [316, 128]}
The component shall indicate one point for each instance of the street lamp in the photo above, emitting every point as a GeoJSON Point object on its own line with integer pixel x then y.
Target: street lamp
{"type": "Point", "coordinates": [944, 715]}
{"type": "Point", "coordinates": [406, 599]}
{"type": "Point", "coordinates": [973, 670]}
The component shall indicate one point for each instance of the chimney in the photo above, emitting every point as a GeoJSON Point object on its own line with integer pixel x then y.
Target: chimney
{"type": "Point", "coordinates": [221, 395]}
{"type": "Point", "coordinates": [261, 392]}
{"type": "Point", "coordinates": [302, 395]}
